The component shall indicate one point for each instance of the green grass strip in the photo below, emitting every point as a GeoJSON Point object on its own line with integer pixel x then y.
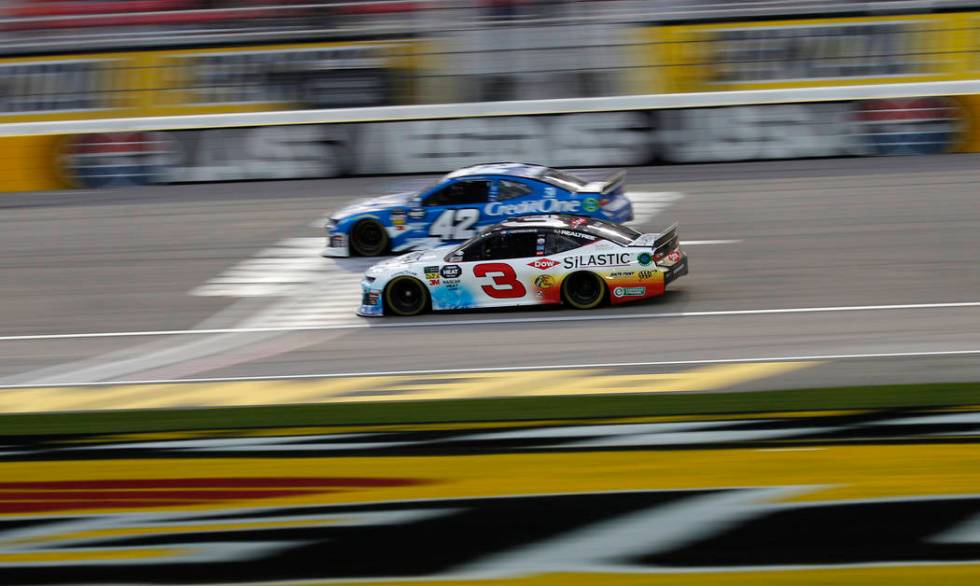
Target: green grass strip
{"type": "Point", "coordinates": [503, 409]}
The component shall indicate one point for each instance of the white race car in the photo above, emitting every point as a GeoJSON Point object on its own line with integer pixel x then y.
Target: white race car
{"type": "Point", "coordinates": [535, 260]}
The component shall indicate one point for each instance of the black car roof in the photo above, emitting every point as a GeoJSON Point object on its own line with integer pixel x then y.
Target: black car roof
{"type": "Point", "coordinates": [583, 224]}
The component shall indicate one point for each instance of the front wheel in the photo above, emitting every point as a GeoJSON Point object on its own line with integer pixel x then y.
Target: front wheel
{"type": "Point", "coordinates": [406, 296]}
{"type": "Point", "coordinates": [368, 238]}
{"type": "Point", "coordinates": [583, 290]}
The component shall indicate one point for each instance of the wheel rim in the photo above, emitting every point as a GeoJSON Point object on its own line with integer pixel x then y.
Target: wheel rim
{"type": "Point", "coordinates": [369, 238]}
{"type": "Point", "coordinates": [406, 297]}
{"type": "Point", "coordinates": [583, 291]}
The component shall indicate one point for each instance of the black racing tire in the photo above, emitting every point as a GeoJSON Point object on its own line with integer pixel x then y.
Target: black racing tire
{"type": "Point", "coordinates": [368, 238]}
{"type": "Point", "coordinates": [583, 290]}
{"type": "Point", "coordinates": [406, 296]}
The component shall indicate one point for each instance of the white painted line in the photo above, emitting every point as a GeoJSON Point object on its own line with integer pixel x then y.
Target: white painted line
{"type": "Point", "coordinates": [747, 360]}
{"type": "Point", "coordinates": [382, 323]}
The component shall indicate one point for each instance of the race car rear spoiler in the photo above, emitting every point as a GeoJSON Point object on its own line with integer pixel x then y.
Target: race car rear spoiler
{"type": "Point", "coordinates": [606, 184]}
{"type": "Point", "coordinates": [667, 240]}
{"type": "Point", "coordinates": [658, 242]}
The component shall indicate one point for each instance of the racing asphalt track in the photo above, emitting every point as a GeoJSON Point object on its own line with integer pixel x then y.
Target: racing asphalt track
{"type": "Point", "coordinates": [839, 235]}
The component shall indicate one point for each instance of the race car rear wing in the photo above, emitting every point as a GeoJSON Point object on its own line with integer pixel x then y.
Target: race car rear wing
{"type": "Point", "coordinates": [666, 240]}
{"type": "Point", "coordinates": [662, 242]}
{"type": "Point", "coordinates": [605, 185]}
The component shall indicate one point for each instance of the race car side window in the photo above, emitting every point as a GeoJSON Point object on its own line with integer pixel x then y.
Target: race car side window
{"type": "Point", "coordinates": [511, 245]}
{"type": "Point", "coordinates": [511, 189]}
{"type": "Point", "coordinates": [502, 245]}
{"type": "Point", "coordinates": [460, 192]}
{"type": "Point", "coordinates": [556, 243]}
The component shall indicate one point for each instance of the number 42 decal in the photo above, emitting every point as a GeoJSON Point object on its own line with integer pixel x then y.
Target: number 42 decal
{"type": "Point", "coordinates": [455, 224]}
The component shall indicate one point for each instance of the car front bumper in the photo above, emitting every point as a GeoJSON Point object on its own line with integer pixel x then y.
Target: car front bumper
{"type": "Point", "coordinates": [337, 246]}
{"type": "Point", "coordinates": [371, 302]}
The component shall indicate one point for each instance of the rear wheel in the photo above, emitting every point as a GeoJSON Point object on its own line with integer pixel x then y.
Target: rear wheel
{"type": "Point", "coordinates": [368, 238]}
{"type": "Point", "coordinates": [406, 296]}
{"type": "Point", "coordinates": [583, 290]}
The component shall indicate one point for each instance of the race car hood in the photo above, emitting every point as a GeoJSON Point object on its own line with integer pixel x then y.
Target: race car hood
{"type": "Point", "coordinates": [435, 256]}
{"type": "Point", "coordinates": [374, 205]}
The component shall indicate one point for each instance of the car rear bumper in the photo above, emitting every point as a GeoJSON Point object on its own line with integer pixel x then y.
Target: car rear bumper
{"type": "Point", "coordinates": [678, 270]}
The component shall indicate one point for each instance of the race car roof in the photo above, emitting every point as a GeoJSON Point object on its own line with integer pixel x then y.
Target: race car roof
{"type": "Point", "coordinates": [594, 226]}
{"type": "Point", "coordinates": [527, 170]}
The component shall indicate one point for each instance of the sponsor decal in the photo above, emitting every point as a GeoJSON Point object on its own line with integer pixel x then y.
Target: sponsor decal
{"type": "Point", "coordinates": [451, 283]}
{"type": "Point", "coordinates": [620, 274]}
{"type": "Point", "coordinates": [581, 235]}
{"type": "Point", "coordinates": [550, 191]}
{"type": "Point", "coordinates": [672, 257]}
{"type": "Point", "coordinates": [629, 291]}
{"type": "Point", "coordinates": [908, 126]}
{"type": "Point", "coordinates": [398, 218]}
{"type": "Point", "coordinates": [61, 86]}
{"type": "Point", "coordinates": [540, 206]}
{"type": "Point", "coordinates": [749, 133]}
{"type": "Point", "coordinates": [338, 241]}
{"type": "Point", "coordinates": [371, 297]}
{"type": "Point", "coordinates": [644, 275]}
{"type": "Point", "coordinates": [434, 282]}
{"type": "Point", "coordinates": [644, 258]}
{"type": "Point", "coordinates": [116, 159]}
{"type": "Point", "coordinates": [543, 263]}
{"type": "Point", "coordinates": [544, 281]}
{"type": "Point", "coordinates": [416, 214]}
{"type": "Point", "coordinates": [539, 249]}
{"type": "Point", "coordinates": [815, 52]}
{"type": "Point", "coordinates": [315, 76]}
{"type": "Point", "coordinates": [451, 271]}
{"type": "Point", "coordinates": [590, 204]}
{"type": "Point", "coordinates": [611, 259]}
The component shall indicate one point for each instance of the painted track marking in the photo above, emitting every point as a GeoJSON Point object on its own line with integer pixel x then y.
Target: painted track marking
{"type": "Point", "coordinates": [581, 381]}
{"type": "Point", "coordinates": [365, 323]}
{"type": "Point", "coordinates": [492, 369]}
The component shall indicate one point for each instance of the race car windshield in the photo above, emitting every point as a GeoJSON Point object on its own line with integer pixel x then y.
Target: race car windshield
{"type": "Point", "coordinates": [566, 180]}
{"type": "Point", "coordinates": [613, 232]}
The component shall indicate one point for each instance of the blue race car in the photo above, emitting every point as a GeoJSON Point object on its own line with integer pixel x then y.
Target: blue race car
{"type": "Point", "coordinates": [464, 202]}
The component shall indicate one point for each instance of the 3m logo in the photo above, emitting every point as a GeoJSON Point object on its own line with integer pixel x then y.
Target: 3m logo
{"type": "Point", "coordinates": [543, 263]}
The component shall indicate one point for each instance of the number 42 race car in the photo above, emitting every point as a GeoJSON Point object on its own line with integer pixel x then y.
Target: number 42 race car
{"type": "Point", "coordinates": [534, 260]}
{"type": "Point", "coordinates": [464, 202]}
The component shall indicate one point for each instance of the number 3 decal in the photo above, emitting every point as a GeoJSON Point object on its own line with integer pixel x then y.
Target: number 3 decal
{"type": "Point", "coordinates": [455, 224]}
{"type": "Point", "coordinates": [505, 283]}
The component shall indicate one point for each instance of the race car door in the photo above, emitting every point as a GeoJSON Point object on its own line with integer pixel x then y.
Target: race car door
{"type": "Point", "coordinates": [496, 268]}
{"type": "Point", "coordinates": [453, 212]}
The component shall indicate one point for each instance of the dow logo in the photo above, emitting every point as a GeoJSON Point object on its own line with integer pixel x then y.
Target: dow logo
{"type": "Point", "coordinates": [543, 263]}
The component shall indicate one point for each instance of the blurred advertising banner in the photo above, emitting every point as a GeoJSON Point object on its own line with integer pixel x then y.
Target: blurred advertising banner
{"type": "Point", "coordinates": [811, 52]}
{"type": "Point", "coordinates": [741, 133]}
{"type": "Point", "coordinates": [207, 81]}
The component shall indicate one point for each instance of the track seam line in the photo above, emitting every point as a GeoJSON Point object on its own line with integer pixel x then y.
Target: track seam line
{"type": "Point", "coordinates": [497, 321]}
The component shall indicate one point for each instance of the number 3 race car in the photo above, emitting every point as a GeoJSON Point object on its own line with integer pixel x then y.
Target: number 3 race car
{"type": "Point", "coordinates": [464, 202]}
{"type": "Point", "coordinates": [534, 260]}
